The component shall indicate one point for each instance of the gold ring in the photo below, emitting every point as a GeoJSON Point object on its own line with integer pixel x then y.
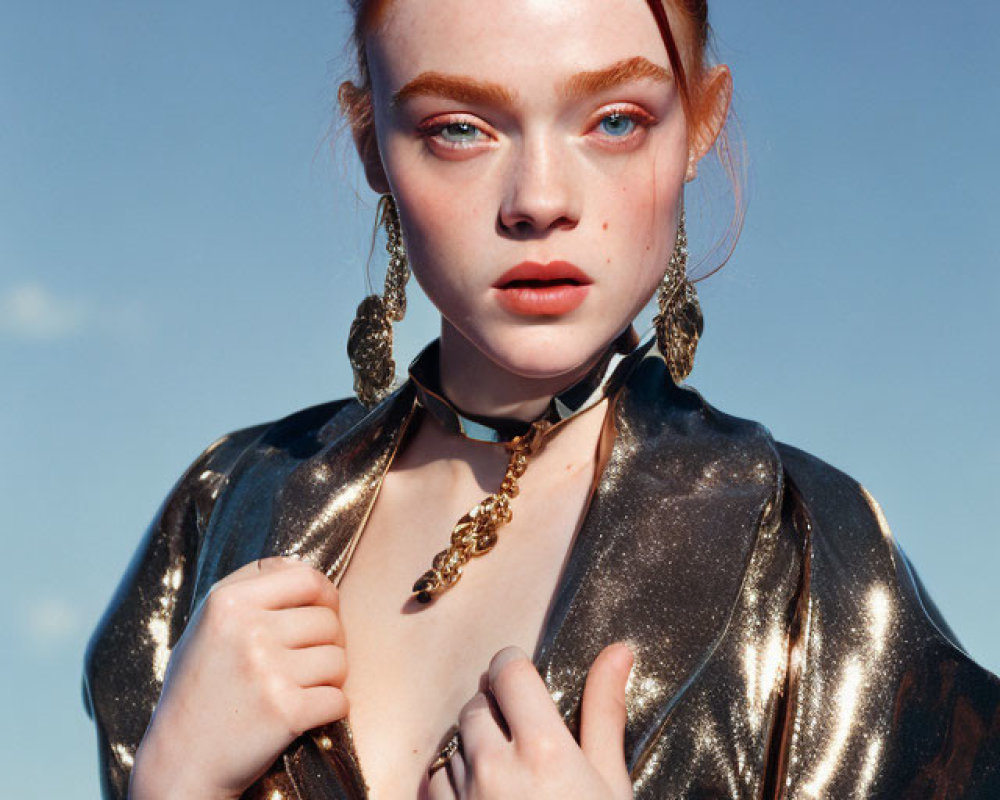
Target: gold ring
{"type": "Point", "coordinates": [452, 746]}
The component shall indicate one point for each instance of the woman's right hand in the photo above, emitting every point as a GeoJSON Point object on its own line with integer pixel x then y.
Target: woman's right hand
{"type": "Point", "coordinates": [261, 661]}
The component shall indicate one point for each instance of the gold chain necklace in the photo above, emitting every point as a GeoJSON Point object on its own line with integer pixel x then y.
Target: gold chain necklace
{"type": "Point", "coordinates": [475, 534]}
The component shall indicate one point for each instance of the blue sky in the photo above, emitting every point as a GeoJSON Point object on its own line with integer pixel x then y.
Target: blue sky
{"type": "Point", "coordinates": [182, 244]}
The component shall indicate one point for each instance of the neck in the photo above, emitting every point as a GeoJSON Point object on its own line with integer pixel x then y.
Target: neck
{"type": "Point", "coordinates": [477, 385]}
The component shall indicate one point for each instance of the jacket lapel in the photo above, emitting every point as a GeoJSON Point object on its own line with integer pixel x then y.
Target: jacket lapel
{"type": "Point", "coordinates": [660, 559]}
{"type": "Point", "coordinates": [307, 491]}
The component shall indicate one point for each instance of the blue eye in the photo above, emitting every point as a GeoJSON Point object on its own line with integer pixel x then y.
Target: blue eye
{"type": "Point", "coordinates": [459, 132]}
{"type": "Point", "coordinates": [618, 124]}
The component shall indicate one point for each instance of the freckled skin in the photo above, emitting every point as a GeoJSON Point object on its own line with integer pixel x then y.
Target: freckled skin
{"type": "Point", "coordinates": [540, 183]}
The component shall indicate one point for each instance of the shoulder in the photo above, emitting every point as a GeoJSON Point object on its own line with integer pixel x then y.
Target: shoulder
{"type": "Point", "coordinates": [308, 428]}
{"type": "Point", "coordinates": [824, 486]}
{"type": "Point", "coordinates": [177, 530]}
{"type": "Point", "coordinates": [154, 598]}
{"type": "Point", "coordinates": [851, 552]}
{"type": "Point", "coordinates": [849, 528]}
{"type": "Point", "coordinates": [323, 423]}
{"type": "Point", "coordinates": [841, 515]}
{"type": "Point", "coordinates": [302, 431]}
{"type": "Point", "coordinates": [859, 571]}
{"type": "Point", "coordinates": [267, 448]}
{"type": "Point", "coordinates": [867, 614]}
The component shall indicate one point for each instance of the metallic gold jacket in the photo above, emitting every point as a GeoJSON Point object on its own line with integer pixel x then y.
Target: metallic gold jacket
{"type": "Point", "coordinates": [785, 647]}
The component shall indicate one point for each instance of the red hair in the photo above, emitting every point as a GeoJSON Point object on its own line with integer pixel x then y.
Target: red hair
{"type": "Point", "coordinates": [355, 99]}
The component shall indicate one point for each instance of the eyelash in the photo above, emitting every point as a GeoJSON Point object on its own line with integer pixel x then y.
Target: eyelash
{"type": "Point", "coordinates": [431, 130]}
{"type": "Point", "coordinates": [641, 120]}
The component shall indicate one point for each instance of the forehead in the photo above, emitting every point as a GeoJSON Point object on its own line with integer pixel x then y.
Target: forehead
{"type": "Point", "coordinates": [524, 44]}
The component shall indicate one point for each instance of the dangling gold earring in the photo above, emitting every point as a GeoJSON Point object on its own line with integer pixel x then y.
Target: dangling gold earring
{"type": "Point", "coordinates": [369, 345]}
{"type": "Point", "coordinates": [679, 323]}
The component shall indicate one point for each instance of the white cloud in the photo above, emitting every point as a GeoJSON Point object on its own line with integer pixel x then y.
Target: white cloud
{"type": "Point", "coordinates": [51, 621]}
{"type": "Point", "coordinates": [30, 311]}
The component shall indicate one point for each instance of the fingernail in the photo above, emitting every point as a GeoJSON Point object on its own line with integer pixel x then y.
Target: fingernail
{"type": "Point", "coordinates": [504, 657]}
{"type": "Point", "coordinates": [630, 656]}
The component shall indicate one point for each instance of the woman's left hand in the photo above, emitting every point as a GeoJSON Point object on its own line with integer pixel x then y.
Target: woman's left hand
{"type": "Point", "coordinates": [539, 757]}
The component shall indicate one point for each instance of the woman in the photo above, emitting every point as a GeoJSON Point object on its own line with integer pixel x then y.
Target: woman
{"type": "Point", "coordinates": [709, 613]}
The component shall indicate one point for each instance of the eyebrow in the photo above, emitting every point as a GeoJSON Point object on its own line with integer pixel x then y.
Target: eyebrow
{"type": "Point", "coordinates": [457, 87]}
{"type": "Point", "coordinates": [470, 90]}
{"type": "Point", "coordinates": [598, 80]}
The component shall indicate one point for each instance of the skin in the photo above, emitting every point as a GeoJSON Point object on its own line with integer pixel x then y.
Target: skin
{"type": "Point", "coordinates": [261, 661]}
{"type": "Point", "coordinates": [539, 180]}
{"type": "Point", "coordinates": [401, 708]}
{"type": "Point", "coordinates": [540, 176]}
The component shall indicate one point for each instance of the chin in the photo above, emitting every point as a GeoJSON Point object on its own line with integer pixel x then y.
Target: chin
{"type": "Point", "coordinates": [544, 350]}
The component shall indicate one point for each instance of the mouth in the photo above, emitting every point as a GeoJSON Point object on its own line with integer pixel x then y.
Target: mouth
{"type": "Point", "coordinates": [533, 289]}
{"type": "Point", "coordinates": [531, 274]}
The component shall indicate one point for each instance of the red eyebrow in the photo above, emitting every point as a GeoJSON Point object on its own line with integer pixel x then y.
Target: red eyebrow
{"type": "Point", "coordinates": [463, 89]}
{"type": "Point", "coordinates": [629, 69]}
{"type": "Point", "coordinates": [470, 90]}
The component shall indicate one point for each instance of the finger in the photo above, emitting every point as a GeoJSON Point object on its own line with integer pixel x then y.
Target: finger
{"type": "Point", "coordinates": [259, 566]}
{"type": "Point", "coordinates": [457, 773]}
{"type": "Point", "coordinates": [439, 786]}
{"type": "Point", "coordinates": [482, 738]}
{"type": "Point", "coordinates": [306, 626]}
{"type": "Point", "coordinates": [325, 665]}
{"type": "Point", "coordinates": [288, 587]}
{"type": "Point", "coordinates": [603, 713]}
{"type": "Point", "coordinates": [521, 695]}
{"type": "Point", "coordinates": [321, 705]}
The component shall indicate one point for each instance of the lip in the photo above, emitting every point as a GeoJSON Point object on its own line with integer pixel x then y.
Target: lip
{"type": "Point", "coordinates": [553, 271]}
{"type": "Point", "coordinates": [533, 289]}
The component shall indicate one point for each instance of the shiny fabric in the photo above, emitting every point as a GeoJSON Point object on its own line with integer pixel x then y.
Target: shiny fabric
{"type": "Point", "coordinates": [785, 647]}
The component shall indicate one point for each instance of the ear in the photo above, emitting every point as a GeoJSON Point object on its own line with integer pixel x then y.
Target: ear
{"type": "Point", "coordinates": [367, 145]}
{"type": "Point", "coordinates": [357, 108]}
{"type": "Point", "coordinates": [715, 94]}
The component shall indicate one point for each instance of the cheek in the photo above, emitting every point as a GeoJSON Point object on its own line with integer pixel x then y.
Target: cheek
{"type": "Point", "coordinates": [439, 216]}
{"type": "Point", "coordinates": [640, 211]}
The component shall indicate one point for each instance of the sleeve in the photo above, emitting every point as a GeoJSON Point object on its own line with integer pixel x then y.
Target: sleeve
{"type": "Point", "coordinates": [882, 701]}
{"type": "Point", "coordinates": [127, 655]}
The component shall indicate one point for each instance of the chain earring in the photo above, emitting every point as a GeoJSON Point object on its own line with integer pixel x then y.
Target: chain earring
{"type": "Point", "coordinates": [369, 345]}
{"type": "Point", "coordinates": [679, 323]}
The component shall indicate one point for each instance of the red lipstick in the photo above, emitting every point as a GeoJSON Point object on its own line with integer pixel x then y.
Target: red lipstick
{"type": "Point", "coordinates": [533, 289]}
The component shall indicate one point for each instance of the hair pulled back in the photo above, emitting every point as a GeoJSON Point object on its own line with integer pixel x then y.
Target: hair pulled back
{"type": "Point", "coordinates": [687, 64]}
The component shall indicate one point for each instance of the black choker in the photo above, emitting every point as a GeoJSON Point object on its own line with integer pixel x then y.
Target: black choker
{"type": "Point", "coordinates": [587, 392]}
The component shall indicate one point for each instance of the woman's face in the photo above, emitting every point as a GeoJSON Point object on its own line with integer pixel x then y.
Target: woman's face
{"type": "Point", "coordinates": [527, 133]}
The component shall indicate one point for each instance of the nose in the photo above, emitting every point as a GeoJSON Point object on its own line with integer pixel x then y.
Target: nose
{"type": "Point", "coordinates": [539, 194]}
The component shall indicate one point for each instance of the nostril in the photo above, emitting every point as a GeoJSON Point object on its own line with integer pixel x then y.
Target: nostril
{"type": "Point", "coordinates": [527, 227]}
{"type": "Point", "coordinates": [519, 228]}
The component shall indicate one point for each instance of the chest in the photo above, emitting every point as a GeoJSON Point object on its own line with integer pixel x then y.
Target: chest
{"type": "Point", "coordinates": [413, 666]}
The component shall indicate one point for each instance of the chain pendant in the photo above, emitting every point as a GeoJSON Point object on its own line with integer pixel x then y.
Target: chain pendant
{"type": "Point", "coordinates": [475, 534]}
